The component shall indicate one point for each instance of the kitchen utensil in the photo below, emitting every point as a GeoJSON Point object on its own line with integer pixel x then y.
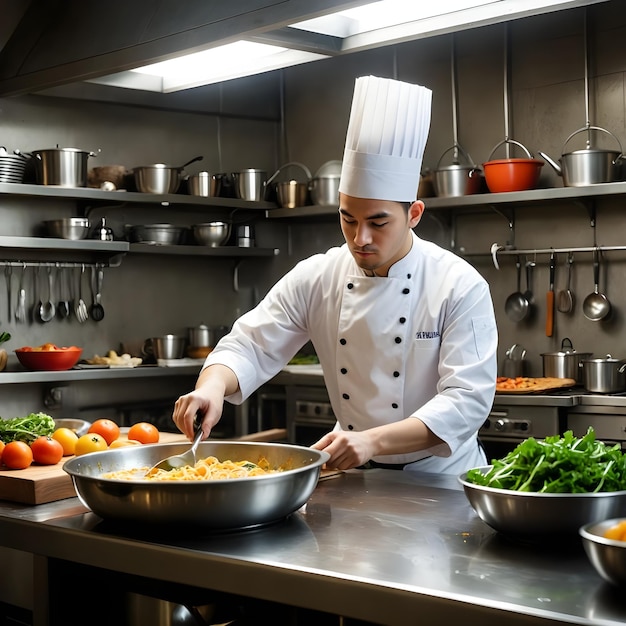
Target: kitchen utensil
{"type": "Point", "coordinates": [200, 336]}
{"type": "Point", "coordinates": [96, 312]}
{"type": "Point", "coordinates": [12, 167]}
{"type": "Point", "coordinates": [8, 271]}
{"type": "Point", "coordinates": [63, 306]}
{"type": "Point", "coordinates": [565, 299]}
{"type": "Point", "coordinates": [535, 516]}
{"type": "Point", "coordinates": [20, 309]}
{"type": "Point", "coordinates": [324, 185]}
{"type": "Point", "coordinates": [57, 360]}
{"type": "Point", "coordinates": [516, 305]}
{"type": "Point", "coordinates": [82, 315]}
{"type": "Point", "coordinates": [37, 302]}
{"type": "Point", "coordinates": [550, 299]}
{"type": "Point", "coordinates": [564, 363]}
{"type": "Point", "coordinates": [528, 294]}
{"type": "Point", "coordinates": [596, 305]}
{"type": "Point", "coordinates": [160, 178]}
{"type": "Point", "coordinates": [290, 193]}
{"type": "Point", "coordinates": [159, 234]}
{"type": "Point", "coordinates": [47, 308]}
{"type": "Point", "coordinates": [166, 347]}
{"type": "Point", "coordinates": [456, 179]}
{"type": "Point", "coordinates": [250, 184]}
{"type": "Point", "coordinates": [103, 232]}
{"type": "Point", "coordinates": [213, 234]}
{"type": "Point", "coordinates": [213, 504]}
{"type": "Point", "coordinates": [179, 460]}
{"type": "Point", "coordinates": [514, 364]}
{"type": "Point", "coordinates": [80, 427]}
{"type": "Point", "coordinates": [608, 556]}
{"type": "Point", "coordinates": [245, 236]}
{"type": "Point", "coordinates": [588, 166]}
{"type": "Point", "coordinates": [510, 174]}
{"type": "Point", "coordinates": [63, 167]}
{"type": "Point", "coordinates": [73, 228]}
{"type": "Point", "coordinates": [204, 184]}
{"type": "Point", "coordinates": [605, 375]}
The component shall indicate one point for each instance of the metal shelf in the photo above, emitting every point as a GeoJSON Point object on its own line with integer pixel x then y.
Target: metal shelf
{"type": "Point", "coordinates": [89, 195]}
{"type": "Point", "coordinates": [207, 251]}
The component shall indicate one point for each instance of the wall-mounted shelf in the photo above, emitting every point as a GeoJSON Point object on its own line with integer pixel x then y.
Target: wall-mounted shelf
{"type": "Point", "coordinates": [50, 249]}
{"type": "Point", "coordinates": [204, 251]}
{"type": "Point", "coordinates": [89, 196]}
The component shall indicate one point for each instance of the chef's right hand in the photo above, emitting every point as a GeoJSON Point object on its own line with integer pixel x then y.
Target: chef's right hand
{"type": "Point", "coordinates": [206, 401]}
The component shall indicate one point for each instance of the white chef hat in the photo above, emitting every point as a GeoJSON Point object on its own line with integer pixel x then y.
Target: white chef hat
{"type": "Point", "coordinates": [387, 133]}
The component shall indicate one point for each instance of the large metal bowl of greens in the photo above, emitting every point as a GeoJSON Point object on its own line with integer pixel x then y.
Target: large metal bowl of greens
{"type": "Point", "coordinates": [549, 488]}
{"type": "Point", "coordinates": [226, 504]}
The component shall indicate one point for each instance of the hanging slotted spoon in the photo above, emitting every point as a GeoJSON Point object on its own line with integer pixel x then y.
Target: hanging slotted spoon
{"type": "Point", "coordinates": [179, 460]}
{"type": "Point", "coordinates": [565, 299]}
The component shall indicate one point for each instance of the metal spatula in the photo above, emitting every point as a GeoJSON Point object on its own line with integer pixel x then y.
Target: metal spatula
{"type": "Point", "coordinates": [179, 460]}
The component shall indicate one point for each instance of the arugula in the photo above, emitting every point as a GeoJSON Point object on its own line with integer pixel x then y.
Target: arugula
{"type": "Point", "coordinates": [27, 428]}
{"type": "Point", "coordinates": [566, 464]}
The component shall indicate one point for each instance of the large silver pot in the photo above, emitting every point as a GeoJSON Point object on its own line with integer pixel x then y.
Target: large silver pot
{"type": "Point", "coordinates": [63, 167]}
{"type": "Point", "coordinates": [159, 177]}
{"type": "Point", "coordinates": [588, 166]}
{"type": "Point", "coordinates": [216, 505]}
{"type": "Point", "coordinates": [565, 363]}
{"type": "Point", "coordinates": [604, 375]}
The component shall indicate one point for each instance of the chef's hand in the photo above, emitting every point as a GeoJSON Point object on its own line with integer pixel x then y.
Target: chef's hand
{"type": "Point", "coordinates": [346, 449]}
{"type": "Point", "coordinates": [206, 401]}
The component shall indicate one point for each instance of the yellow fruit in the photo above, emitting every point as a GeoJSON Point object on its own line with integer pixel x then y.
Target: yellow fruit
{"type": "Point", "coordinates": [67, 438]}
{"type": "Point", "coordinates": [123, 443]}
{"type": "Point", "coordinates": [91, 442]}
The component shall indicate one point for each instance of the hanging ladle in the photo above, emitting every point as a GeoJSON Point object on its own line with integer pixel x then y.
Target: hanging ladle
{"type": "Point", "coordinates": [47, 309]}
{"type": "Point", "coordinates": [596, 305]}
{"type": "Point", "coordinates": [97, 310]}
{"type": "Point", "coordinates": [516, 305]}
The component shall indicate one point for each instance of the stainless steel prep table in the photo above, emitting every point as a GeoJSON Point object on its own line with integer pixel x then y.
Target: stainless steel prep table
{"type": "Point", "coordinates": [378, 545]}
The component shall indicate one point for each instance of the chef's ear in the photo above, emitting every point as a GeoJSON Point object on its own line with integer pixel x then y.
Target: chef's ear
{"type": "Point", "coordinates": [416, 210]}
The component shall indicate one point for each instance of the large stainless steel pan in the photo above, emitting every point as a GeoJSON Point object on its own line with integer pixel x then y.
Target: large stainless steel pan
{"type": "Point", "coordinates": [217, 505]}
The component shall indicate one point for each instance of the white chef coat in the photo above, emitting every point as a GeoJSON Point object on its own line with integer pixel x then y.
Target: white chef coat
{"type": "Point", "coordinates": [420, 342]}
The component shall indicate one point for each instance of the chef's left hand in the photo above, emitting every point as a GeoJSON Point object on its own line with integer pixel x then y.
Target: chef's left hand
{"type": "Point", "coordinates": [346, 449]}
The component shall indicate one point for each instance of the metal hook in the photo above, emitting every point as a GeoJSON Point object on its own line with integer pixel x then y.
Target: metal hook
{"type": "Point", "coordinates": [495, 248]}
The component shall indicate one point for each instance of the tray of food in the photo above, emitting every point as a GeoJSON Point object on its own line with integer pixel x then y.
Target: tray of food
{"type": "Point", "coordinates": [525, 384]}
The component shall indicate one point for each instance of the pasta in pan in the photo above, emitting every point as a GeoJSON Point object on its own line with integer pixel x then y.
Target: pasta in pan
{"type": "Point", "coordinates": [209, 468]}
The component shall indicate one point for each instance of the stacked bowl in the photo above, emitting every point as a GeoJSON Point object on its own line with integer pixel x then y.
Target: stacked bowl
{"type": "Point", "coordinates": [12, 167]}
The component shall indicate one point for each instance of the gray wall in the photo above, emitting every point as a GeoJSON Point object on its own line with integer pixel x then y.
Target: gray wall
{"type": "Point", "coordinates": [147, 295]}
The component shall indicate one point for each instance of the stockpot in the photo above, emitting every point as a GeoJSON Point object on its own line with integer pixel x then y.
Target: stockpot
{"type": "Point", "coordinates": [64, 167]}
{"type": "Point", "coordinates": [565, 363]}
{"type": "Point", "coordinates": [457, 179]}
{"type": "Point", "coordinates": [604, 375]}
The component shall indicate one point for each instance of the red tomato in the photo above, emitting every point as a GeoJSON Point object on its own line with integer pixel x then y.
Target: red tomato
{"type": "Point", "coordinates": [107, 429]}
{"type": "Point", "coordinates": [17, 455]}
{"type": "Point", "coordinates": [144, 432]}
{"type": "Point", "coordinates": [1, 449]}
{"type": "Point", "coordinates": [46, 450]}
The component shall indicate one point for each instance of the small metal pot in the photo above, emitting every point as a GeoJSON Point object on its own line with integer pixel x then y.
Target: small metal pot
{"type": "Point", "coordinates": [205, 184]}
{"type": "Point", "coordinates": [457, 179]}
{"type": "Point", "coordinates": [63, 167]}
{"type": "Point", "coordinates": [565, 363]}
{"type": "Point", "coordinates": [605, 375]}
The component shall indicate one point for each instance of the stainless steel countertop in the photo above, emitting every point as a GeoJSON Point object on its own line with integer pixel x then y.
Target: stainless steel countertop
{"type": "Point", "coordinates": [378, 545]}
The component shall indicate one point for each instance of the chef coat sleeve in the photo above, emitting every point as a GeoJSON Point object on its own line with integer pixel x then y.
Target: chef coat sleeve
{"type": "Point", "coordinates": [263, 340]}
{"type": "Point", "coordinates": [467, 370]}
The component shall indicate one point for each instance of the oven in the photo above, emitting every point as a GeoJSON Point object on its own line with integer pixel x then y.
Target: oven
{"type": "Point", "coordinates": [309, 414]}
{"type": "Point", "coordinates": [509, 424]}
{"type": "Point", "coordinates": [605, 414]}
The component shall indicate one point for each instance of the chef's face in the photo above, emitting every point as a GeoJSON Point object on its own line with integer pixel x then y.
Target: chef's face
{"type": "Point", "coordinates": [378, 232]}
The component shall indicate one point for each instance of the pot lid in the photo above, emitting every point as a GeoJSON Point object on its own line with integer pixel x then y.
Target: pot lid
{"type": "Point", "coordinates": [592, 151]}
{"type": "Point", "coordinates": [607, 359]}
{"type": "Point", "coordinates": [567, 353]}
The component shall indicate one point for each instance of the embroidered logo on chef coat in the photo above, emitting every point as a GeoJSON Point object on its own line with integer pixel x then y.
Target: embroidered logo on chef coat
{"type": "Point", "coordinates": [427, 334]}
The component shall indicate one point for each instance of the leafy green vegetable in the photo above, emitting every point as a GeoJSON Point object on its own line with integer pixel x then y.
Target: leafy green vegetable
{"type": "Point", "coordinates": [26, 429]}
{"type": "Point", "coordinates": [4, 337]}
{"type": "Point", "coordinates": [557, 464]}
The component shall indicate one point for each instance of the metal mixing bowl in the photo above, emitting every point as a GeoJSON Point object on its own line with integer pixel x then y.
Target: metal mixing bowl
{"type": "Point", "coordinates": [164, 234]}
{"type": "Point", "coordinates": [536, 515]}
{"type": "Point", "coordinates": [80, 427]}
{"type": "Point", "coordinates": [218, 504]}
{"type": "Point", "coordinates": [68, 228]}
{"type": "Point", "coordinates": [608, 556]}
{"type": "Point", "coordinates": [211, 234]}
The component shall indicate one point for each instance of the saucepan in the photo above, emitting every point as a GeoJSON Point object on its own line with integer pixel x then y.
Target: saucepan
{"type": "Point", "coordinates": [230, 504]}
{"type": "Point", "coordinates": [457, 179]}
{"type": "Point", "coordinates": [159, 177]}
{"type": "Point", "coordinates": [565, 363]}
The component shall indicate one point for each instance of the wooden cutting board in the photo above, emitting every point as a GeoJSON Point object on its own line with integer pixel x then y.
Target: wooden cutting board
{"type": "Point", "coordinates": [533, 385]}
{"type": "Point", "coordinates": [39, 484]}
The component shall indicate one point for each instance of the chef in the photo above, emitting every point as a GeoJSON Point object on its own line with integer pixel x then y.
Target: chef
{"type": "Point", "coordinates": [404, 330]}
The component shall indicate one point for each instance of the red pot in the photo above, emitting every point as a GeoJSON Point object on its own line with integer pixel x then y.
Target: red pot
{"type": "Point", "coordinates": [512, 174]}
